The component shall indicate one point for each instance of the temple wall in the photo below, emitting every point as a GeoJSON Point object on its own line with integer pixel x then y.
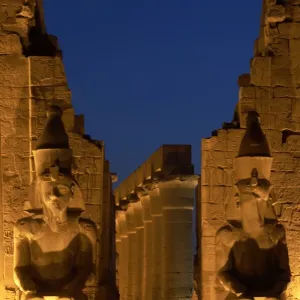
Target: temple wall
{"type": "Point", "coordinates": [28, 86]}
{"type": "Point", "coordinates": [271, 89]}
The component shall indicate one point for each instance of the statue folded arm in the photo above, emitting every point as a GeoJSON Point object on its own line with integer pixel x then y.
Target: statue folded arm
{"type": "Point", "coordinates": [284, 271]}
{"type": "Point", "coordinates": [225, 239]}
{"type": "Point", "coordinates": [22, 258]}
{"type": "Point", "coordinates": [84, 265]}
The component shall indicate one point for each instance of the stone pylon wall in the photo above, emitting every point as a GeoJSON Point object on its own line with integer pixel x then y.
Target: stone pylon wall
{"type": "Point", "coordinates": [272, 89]}
{"type": "Point", "coordinates": [29, 83]}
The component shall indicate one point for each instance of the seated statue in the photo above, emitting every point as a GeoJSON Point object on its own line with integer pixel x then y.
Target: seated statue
{"type": "Point", "coordinates": [54, 253]}
{"type": "Point", "coordinates": [252, 257]}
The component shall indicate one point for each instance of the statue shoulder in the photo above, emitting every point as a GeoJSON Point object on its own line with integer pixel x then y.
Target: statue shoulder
{"type": "Point", "coordinates": [279, 233]}
{"type": "Point", "coordinates": [227, 235]}
{"type": "Point", "coordinates": [88, 227]}
{"type": "Point", "coordinates": [28, 227]}
{"type": "Point", "coordinates": [276, 232]}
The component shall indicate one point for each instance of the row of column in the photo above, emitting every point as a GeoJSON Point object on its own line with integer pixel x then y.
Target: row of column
{"type": "Point", "coordinates": [155, 244]}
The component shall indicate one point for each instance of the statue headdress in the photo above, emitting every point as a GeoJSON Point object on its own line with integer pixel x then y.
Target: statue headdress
{"type": "Point", "coordinates": [254, 152]}
{"type": "Point", "coordinates": [51, 157]}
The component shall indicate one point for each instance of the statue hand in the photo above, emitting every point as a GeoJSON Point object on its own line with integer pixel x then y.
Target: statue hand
{"type": "Point", "coordinates": [238, 289]}
{"type": "Point", "coordinates": [70, 288]}
{"type": "Point", "coordinates": [29, 287]}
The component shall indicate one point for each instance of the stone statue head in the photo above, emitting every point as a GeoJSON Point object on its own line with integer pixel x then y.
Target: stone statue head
{"type": "Point", "coordinates": [253, 172]}
{"type": "Point", "coordinates": [54, 190]}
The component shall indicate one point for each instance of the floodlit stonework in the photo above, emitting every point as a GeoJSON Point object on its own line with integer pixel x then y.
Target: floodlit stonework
{"type": "Point", "coordinates": [272, 90]}
{"type": "Point", "coordinates": [154, 240]}
{"type": "Point", "coordinates": [32, 79]}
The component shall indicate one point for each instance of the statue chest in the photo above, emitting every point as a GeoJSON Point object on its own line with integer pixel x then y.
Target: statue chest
{"type": "Point", "coordinates": [255, 257]}
{"type": "Point", "coordinates": [50, 247]}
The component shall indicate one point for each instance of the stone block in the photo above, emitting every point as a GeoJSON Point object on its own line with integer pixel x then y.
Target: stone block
{"type": "Point", "coordinates": [211, 211]}
{"type": "Point", "coordinates": [97, 194]}
{"type": "Point", "coordinates": [14, 70]}
{"type": "Point", "coordinates": [283, 162]}
{"type": "Point", "coordinates": [269, 34]}
{"type": "Point", "coordinates": [285, 92]}
{"type": "Point", "coordinates": [10, 44]}
{"type": "Point", "coordinates": [93, 211]}
{"type": "Point", "coordinates": [247, 92]}
{"type": "Point", "coordinates": [278, 179]}
{"type": "Point", "coordinates": [276, 13]}
{"type": "Point", "coordinates": [267, 121]}
{"type": "Point", "coordinates": [47, 71]}
{"type": "Point", "coordinates": [264, 93]}
{"type": "Point", "coordinates": [217, 176]}
{"type": "Point", "coordinates": [279, 47]}
{"type": "Point", "coordinates": [60, 94]}
{"type": "Point", "coordinates": [293, 143]}
{"type": "Point", "coordinates": [280, 71]}
{"type": "Point", "coordinates": [246, 105]}
{"type": "Point", "coordinates": [275, 140]}
{"type": "Point", "coordinates": [208, 254]}
{"type": "Point", "coordinates": [296, 13]}
{"type": "Point", "coordinates": [260, 71]}
{"type": "Point", "coordinates": [69, 119]}
{"type": "Point", "coordinates": [295, 68]}
{"type": "Point", "coordinates": [281, 105]}
{"type": "Point", "coordinates": [288, 195]}
{"type": "Point", "coordinates": [234, 138]}
{"type": "Point", "coordinates": [289, 30]}
{"type": "Point", "coordinates": [296, 108]}
{"type": "Point", "coordinates": [262, 105]}
{"type": "Point", "coordinates": [244, 80]}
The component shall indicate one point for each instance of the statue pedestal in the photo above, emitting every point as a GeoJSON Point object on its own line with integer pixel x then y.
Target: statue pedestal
{"type": "Point", "coordinates": [56, 298]}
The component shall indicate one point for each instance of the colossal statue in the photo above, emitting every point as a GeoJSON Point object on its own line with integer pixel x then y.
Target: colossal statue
{"type": "Point", "coordinates": [55, 251]}
{"type": "Point", "coordinates": [252, 255]}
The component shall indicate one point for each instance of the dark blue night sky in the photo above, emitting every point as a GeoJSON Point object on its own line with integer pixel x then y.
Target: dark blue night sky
{"type": "Point", "coordinates": [152, 72]}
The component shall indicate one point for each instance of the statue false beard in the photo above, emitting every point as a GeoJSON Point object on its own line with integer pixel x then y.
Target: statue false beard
{"type": "Point", "coordinates": [55, 218]}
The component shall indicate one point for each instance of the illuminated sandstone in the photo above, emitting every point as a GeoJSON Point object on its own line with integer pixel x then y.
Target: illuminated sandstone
{"type": "Point", "coordinates": [32, 78]}
{"type": "Point", "coordinates": [154, 227]}
{"type": "Point", "coordinates": [252, 257]}
{"type": "Point", "coordinates": [273, 93]}
{"type": "Point", "coordinates": [55, 249]}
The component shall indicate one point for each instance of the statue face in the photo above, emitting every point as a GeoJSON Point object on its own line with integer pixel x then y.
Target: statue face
{"type": "Point", "coordinates": [253, 196]}
{"type": "Point", "coordinates": [56, 194]}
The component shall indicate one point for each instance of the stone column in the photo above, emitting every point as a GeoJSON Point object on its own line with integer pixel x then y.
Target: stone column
{"type": "Point", "coordinates": [132, 253]}
{"type": "Point", "coordinates": [178, 257]}
{"type": "Point", "coordinates": [148, 244]}
{"type": "Point", "coordinates": [157, 245]}
{"type": "Point", "coordinates": [123, 256]}
{"type": "Point", "coordinates": [139, 225]}
{"type": "Point", "coordinates": [118, 253]}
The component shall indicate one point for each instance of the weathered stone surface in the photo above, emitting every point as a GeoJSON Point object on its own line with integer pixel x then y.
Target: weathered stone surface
{"type": "Point", "coordinates": [289, 30]}
{"type": "Point", "coordinates": [279, 47]}
{"type": "Point", "coordinates": [296, 13]}
{"type": "Point", "coordinates": [160, 212]}
{"type": "Point", "coordinates": [261, 71]}
{"type": "Point", "coordinates": [29, 85]}
{"type": "Point", "coordinates": [10, 44]}
{"type": "Point", "coordinates": [276, 13]}
{"type": "Point", "coordinates": [47, 71]}
{"type": "Point", "coordinates": [274, 94]}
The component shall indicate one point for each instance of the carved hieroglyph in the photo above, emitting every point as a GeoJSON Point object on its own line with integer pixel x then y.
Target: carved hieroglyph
{"type": "Point", "coordinates": [55, 249]}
